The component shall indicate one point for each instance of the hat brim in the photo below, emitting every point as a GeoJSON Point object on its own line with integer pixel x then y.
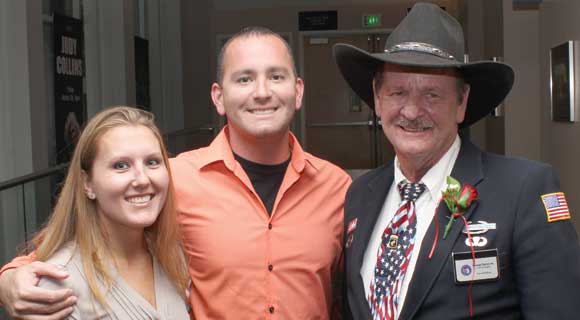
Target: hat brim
{"type": "Point", "coordinates": [489, 81]}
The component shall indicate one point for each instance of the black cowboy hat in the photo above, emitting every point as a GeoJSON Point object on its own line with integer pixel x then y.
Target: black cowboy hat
{"type": "Point", "coordinates": [428, 37]}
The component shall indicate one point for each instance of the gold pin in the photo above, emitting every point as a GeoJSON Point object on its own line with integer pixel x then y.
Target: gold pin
{"type": "Point", "coordinates": [393, 241]}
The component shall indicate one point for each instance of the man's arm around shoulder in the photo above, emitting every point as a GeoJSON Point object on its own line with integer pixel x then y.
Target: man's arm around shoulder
{"type": "Point", "coordinates": [21, 297]}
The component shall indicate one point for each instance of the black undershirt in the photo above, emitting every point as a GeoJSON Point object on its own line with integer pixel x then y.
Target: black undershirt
{"type": "Point", "coordinates": [266, 179]}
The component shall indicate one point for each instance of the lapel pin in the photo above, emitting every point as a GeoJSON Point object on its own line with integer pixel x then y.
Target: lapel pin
{"type": "Point", "coordinates": [476, 241]}
{"type": "Point", "coordinates": [349, 232]}
{"type": "Point", "coordinates": [351, 226]}
{"type": "Point", "coordinates": [478, 227]}
{"type": "Point", "coordinates": [349, 240]}
{"type": "Point", "coordinates": [393, 241]}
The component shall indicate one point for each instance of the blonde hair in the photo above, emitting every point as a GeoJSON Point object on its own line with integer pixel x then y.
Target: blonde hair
{"type": "Point", "coordinates": [75, 217]}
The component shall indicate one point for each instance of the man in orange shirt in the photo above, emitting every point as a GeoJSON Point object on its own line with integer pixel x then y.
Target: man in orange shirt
{"type": "Point", "coordinates": [261, 219]}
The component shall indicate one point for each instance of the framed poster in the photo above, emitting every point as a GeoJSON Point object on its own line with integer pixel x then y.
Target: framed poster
{"type": "Point", "coordinates": [563, 81]}
{"type": "Point", "coordinates": [69, 64]}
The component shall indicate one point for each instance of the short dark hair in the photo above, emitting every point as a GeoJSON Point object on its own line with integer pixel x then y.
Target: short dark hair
{"type": "Point", "coordinates": [378, 81]}
{"type": "Point", "coordinates": [252, 31]}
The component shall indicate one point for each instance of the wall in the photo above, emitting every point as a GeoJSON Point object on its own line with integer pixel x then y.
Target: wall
{"type": "Point", "coordinates": [471, 18]}
{"type": "Point", "coordinates": [285, 18]}
{"type": "Point", "coordinates": [483, 30]}
{"type": "Point", "coordinates": [522, 112]}
{"type": "Point", "coordinates": [558, 22]}
{"type": "Point", "coordinates": [494, 47]}
{"type": "Point", "coordinates": [109, 54]}
{"type": "Point", "coordinates": [23, 129]}
{"type": "Point", "coordinates": [109, 27]}
{"type": "Point", "coordinates": [198, 109]}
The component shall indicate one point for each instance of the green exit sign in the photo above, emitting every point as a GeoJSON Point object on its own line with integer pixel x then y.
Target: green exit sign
{"type": "Point", "coordinates": [371, 20]}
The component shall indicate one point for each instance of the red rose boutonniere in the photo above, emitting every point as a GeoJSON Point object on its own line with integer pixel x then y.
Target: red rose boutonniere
{"type": "Point", "coordinates": [458, 200]}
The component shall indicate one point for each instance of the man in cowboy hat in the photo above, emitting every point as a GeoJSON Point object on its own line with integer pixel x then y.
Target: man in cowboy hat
{"type": "Point", "coordinates": [498, 243]}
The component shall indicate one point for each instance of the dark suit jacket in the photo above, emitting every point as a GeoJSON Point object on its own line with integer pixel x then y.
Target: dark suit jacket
{"type": "Point", "coordinates": [539, 261]}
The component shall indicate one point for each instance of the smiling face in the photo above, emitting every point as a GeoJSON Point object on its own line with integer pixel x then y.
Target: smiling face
{"type": "Point", "coordinates": [420, 110]}
{"type": "Point", "coordinates": [259, 93]}
{"type": "Point", "coordinates": [128, 177]}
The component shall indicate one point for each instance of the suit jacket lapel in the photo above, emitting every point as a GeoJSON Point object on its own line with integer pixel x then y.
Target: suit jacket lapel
{"type": "Point", "coordinates": [467, 170]}
{"type": "Point", "coordinates": [367, 218]}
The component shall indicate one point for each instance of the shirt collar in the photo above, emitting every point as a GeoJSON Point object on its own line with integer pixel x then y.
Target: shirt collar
{"type": "Point", "coordinates": [221, 150]}
{"type": "Point", "coordinates": [435, 178]}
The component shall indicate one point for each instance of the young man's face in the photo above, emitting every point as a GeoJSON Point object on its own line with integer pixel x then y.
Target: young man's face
{"type": "Point", "coordinates": [420, 110]}
{"type": "Point", "coordinates": [259, 93]}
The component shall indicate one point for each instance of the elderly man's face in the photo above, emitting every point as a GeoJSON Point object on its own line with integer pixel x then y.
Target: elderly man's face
{"type": "Point", "coordinates": [420, 110]}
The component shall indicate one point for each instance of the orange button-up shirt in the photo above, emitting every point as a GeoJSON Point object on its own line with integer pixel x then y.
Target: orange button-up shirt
{"type": "Point", "coordinates": [244, 263]}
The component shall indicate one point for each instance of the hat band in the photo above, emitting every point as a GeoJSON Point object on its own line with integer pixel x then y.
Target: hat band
{"type": "Point", "coordinates": [420, 47]}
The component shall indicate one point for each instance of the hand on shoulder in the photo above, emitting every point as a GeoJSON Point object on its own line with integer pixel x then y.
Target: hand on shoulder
{"type": "Point", "coordinates": [23, 299]}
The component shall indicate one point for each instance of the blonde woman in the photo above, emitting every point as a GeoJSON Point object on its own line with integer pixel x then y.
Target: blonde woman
{"type": "Point", "coordinates": [113, 227]}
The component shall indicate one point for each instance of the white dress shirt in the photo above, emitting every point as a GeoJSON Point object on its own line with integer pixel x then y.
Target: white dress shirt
{"type": "Point", "coordinates": [435, 181]}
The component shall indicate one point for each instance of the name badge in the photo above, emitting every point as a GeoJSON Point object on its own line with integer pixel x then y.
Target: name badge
{"type": "Point", "coordinates": [486, 266]}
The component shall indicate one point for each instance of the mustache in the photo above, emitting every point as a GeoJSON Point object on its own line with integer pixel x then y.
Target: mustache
{"type": "Point", "coordinates": [415, 124]}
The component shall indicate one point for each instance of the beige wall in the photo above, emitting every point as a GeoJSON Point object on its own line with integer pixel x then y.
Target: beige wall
{"type": "Point", "coordinates": [494, 47]}
{"type": "Point", "coordinates": [522, 112]}
{"type": "Point", "coordinates": [483, 29]}
{"type": "Point", "coordinates": [472, 20]}
{"type": "Point", "coordinates": [559, 22]}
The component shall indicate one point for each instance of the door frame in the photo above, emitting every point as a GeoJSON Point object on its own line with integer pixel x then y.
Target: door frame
{"type": "Point", "coordinates": [301, 125]}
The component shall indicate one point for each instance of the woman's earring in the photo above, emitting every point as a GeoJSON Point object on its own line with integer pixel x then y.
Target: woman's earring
{"type": "Point", "coordinates": [91, 195]}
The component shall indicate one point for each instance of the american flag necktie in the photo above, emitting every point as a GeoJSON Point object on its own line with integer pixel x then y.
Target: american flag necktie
{"type": "Point", "coordinates": [394, 254]}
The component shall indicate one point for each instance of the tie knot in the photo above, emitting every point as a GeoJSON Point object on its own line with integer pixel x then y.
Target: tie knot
{"type": "Point", "coordinates": [411, 191]}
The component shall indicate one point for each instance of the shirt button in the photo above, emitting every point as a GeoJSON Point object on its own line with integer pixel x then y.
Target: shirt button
{"type": "Point", "coordinates": [270, 226]}
{"type": "Point", "coordinates": [271, 309]}
{"type": "Point", "coordinates": [270, 267]}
